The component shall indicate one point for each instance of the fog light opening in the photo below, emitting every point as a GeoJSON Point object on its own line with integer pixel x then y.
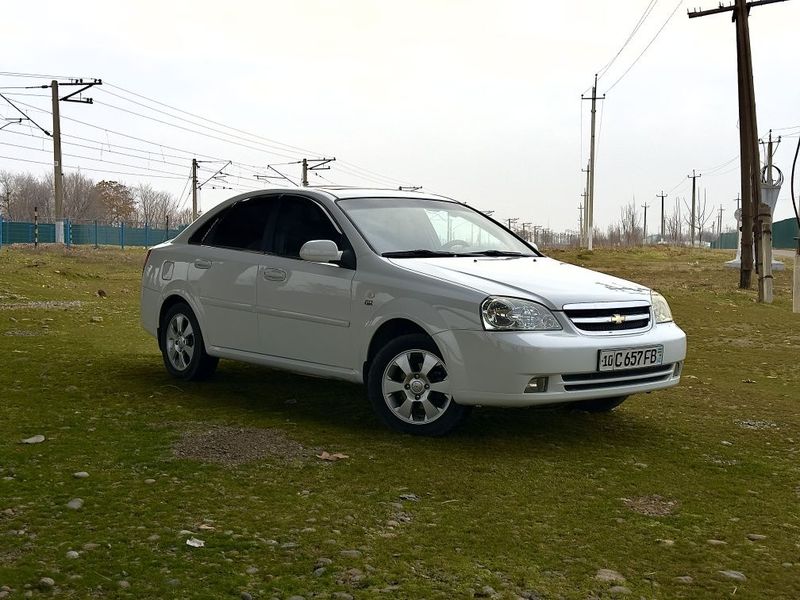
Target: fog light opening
{"type": "Point", "coordinates": [677, 370]}
{"type": "Point", "coordinates": [536, 385]}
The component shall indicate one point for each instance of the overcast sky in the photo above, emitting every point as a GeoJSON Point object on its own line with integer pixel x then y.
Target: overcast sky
{"type": "Point", "coordinates": [476, 100]}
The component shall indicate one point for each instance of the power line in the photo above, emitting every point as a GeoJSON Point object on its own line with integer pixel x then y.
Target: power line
{"type": "Point", "coordinates": [49, 164]}
{"type": "Point", "coordinates": [35, 75]}
{"type": "Point", "coordinates": [99, 149]}
{"type": "Point", "coordinates": [195, 131]}
{"type": "Point", "coordinates": [655, 37]}
{"type": "Point", "coordinates": [110, 162]}
{"type": "Point", "coordinates": [639, 23]}
{"type": "Point", "coordinates": [288, 146]}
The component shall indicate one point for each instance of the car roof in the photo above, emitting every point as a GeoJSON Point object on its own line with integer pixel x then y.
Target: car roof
{"type": "Point", "coordinates": [341, 192]}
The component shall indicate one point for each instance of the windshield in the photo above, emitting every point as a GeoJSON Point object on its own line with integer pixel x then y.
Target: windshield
{"type": "Point", "coordinates": [411, 227]}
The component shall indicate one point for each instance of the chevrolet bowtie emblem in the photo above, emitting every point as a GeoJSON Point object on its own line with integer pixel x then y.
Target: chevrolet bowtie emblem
{"type": "Point", "coordinates": [617, 319]}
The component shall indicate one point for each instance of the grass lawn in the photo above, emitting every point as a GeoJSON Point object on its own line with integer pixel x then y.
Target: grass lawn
{"type": "Point", "coordinates": [668, 491]}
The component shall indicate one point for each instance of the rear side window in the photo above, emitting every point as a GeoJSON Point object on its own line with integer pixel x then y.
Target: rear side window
{"type": "Point", "coordinates": [242, 226]}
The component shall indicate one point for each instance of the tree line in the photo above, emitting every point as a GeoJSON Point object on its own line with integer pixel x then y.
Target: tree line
{"type": "Point", "coordinates": [85, 199]}
{"type": "Point", "coordinates": [628, 230]}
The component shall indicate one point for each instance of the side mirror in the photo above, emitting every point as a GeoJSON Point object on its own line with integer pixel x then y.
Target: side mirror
{"type": "Point", "coordinates": [322, 251]}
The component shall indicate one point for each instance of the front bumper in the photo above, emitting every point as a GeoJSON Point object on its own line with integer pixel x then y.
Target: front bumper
{"type": "Point", "coordinates": [493, 368]}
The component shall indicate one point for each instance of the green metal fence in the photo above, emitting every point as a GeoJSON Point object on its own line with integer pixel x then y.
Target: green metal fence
{"type": "Point", "coordinates": [92, 233]}
{"type": "Point", "coordinates": [783, 236]}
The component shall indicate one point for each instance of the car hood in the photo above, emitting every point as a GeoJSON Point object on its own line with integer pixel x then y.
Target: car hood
{"type": "Point", "coordinates": [551, 282]}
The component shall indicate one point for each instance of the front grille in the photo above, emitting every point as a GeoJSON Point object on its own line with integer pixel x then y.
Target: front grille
{"type": "Point", "coordinates": [600, 318]}
{"type": "Point", "coordinates": [578, 382]}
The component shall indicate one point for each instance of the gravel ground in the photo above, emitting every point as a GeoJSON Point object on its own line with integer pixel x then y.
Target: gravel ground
{"type": "Point", "coordinates": [238, 445]}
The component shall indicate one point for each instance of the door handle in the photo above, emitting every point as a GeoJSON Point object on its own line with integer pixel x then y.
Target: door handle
{"type": "Point", "coordinates": [202, 263]}
{"type": "Point", "coordinates": [275, 274]}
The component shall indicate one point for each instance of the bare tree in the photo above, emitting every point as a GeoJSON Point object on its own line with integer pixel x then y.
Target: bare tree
{"type": "Point", "coordinates": [701, 217]}
{"type": "Point", "coordinates": [80, 200]}
{"type": "Point", "coordinates": [674, 224]}
{"type": "Point", "coordinates": [155, 207]}
{"type": "Point", "coordinates": [630, 225]}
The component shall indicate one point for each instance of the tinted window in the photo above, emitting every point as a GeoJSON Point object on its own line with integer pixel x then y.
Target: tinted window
{"type": "Point", "coordinates": [198, 236]}
{"type": "Point", "coordinates": [300, 220]}
{"type": "Point", "coordinates": [242, 226]}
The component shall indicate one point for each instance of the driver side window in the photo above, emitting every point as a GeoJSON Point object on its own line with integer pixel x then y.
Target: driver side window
{"type": "Point", "coordinates": [301, 220]}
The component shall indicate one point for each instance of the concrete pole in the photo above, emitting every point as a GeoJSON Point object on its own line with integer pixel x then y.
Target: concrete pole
{"type": "Point", "coordinates": [58, 182]}
{"type": "Point", "coordinates": [590, 214]}
{"type": "Point", "coordinates": [765, 281]}
{"type": "Point", "coordinates": [304, 178]}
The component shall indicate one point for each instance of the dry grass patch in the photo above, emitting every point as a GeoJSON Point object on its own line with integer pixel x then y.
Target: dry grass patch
{"type": "Point", "coordinates": [652, 506]}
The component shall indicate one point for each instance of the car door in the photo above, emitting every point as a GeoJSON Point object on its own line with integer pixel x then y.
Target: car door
{"type": "Point", "coordinates": [224, 272]}
{"type": "Point", "coordinates": [304, 307]}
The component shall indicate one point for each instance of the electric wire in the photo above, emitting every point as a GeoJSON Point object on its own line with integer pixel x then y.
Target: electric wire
{"type": "Point", "coordinates": [110, 162]}
{"type": "Point", "coordinates": [195, 131]}
{"type": "Point", "coordinates": [636, 28]}
{"type": "Point", "coordinates": [50, 164]}
{"type": "Point", "coordinates": [287, 146]}
{"type": "Point", "coordinates": [655, 37]}
{"type": "Point", "coordinates": [195, 123]}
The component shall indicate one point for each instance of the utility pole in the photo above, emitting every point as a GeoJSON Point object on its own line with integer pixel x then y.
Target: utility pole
{"type": "Point", "coordinates": [525, 234]}
{"type": "Point", "coordinates": [750, 168]}
{"type": "Point", "coordinates": [58, 173]}
{"type": "Point", "coordinates": [194, 189]}
{"type": "Point", "coordinates": [319, 164]}
{"type": "Point", "coordinates": [585, 231]}
{"type": "Point", "coordinates": [580, 216]}
{"type": "Point", "coordinates": [645, 207]}
{"type": "Point", "coordinates": [662, 195]}
{"type": "Point", "coordinates": [590, 214]}
{"type": "Point", "coordinates": [693, 177]}
{"type": "Point", "coordinates": [512, 221]}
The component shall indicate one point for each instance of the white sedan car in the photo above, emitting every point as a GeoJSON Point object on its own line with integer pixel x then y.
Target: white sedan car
{"type": "Point", "coordinates": [433, 305]}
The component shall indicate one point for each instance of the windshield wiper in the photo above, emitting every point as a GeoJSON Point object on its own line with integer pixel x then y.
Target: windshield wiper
{"type": "Point", "coordinates": [497, 253]}
{"type": "Point", "coordinates": [419, 253]}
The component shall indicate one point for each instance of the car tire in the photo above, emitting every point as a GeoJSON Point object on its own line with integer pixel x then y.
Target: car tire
{"type": "Point", "coordinates": [408, 387]}
{"type": "Point", "coordinates": [182, 345]}
{"type": "Point", "coordinates": [600, 405]}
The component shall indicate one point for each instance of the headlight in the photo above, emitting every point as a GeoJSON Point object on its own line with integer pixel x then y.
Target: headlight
{"type": "Point", "coordinates": [660, 308]}
{"type": "Point", "coordinates": [513, 314]}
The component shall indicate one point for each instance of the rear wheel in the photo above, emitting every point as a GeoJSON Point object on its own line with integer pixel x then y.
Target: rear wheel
{"type": "Point", "coordinates": [182, 345]}
{"type": "Point", "coordinates": [599, 405]}
{"type": "Point", "coordinates": [409, 388]}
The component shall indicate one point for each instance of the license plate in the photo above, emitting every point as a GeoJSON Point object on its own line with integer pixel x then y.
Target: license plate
{"type": "Point", "coordinates": [629, 358]}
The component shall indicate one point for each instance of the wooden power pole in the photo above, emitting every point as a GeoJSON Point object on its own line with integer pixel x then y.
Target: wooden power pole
{"type": "Point", "coordinates": [748, 130]}
{"type": "Point", "coordinates": [58, 173]}
{"type": "Point", "coordinates": [58, 167]}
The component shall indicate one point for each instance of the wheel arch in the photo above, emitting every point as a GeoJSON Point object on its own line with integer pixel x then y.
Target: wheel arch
{"type": "Point", "coordinates": [388, 331]}
{"type": "Point", "coordinates": [171, 300]}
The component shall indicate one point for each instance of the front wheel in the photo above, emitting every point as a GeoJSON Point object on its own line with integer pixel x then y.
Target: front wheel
{"type": "Point", "coordinates": [409, 388]}
{"type": "Point", "coordinates": [599, 405]}
{"type": "Point", "coordinates": [182, 345]}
